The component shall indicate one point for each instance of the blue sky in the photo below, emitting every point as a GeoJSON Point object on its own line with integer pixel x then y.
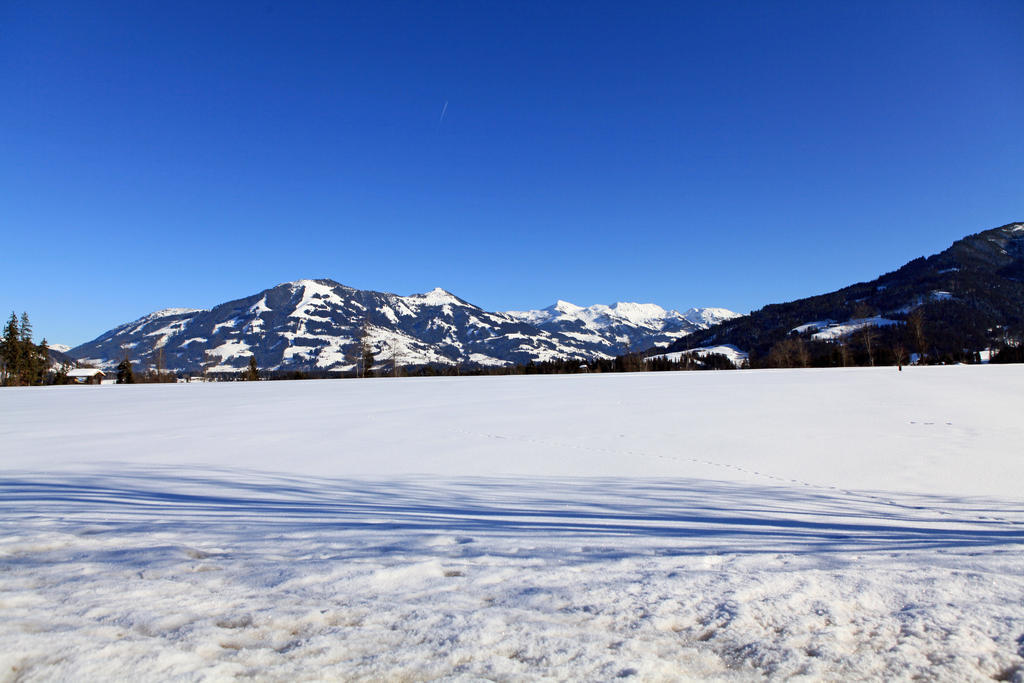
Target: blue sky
{"type": "Point", "coordinates": [691, 154]}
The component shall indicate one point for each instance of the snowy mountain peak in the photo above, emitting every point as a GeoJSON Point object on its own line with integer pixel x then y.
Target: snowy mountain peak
{"type": "Point", "coordinates": [621, 325]}
{"type": "Point", "coordinates": [641, 314]}
{"type": "Point", "coordinates": [706, 317]}
{"type": "Point", "coordinates": [435, 297]}
{"type": "Point", "coordinates": [561, 306]}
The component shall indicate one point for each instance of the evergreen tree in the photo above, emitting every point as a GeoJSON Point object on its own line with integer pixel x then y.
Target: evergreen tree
{"type": "Point", "coordinates": [253, 373]}
{"type": "Point", "coordinates": [22, 362]}
{"type": "Point", "coordinates": [10, 345]}
{"type": "Point", "coordinates": [40, 362]}
{"type": "Point", "coordinates": [367, 361]}
{"type": "Point", "coordinates": [25, 331]}
{"type": "Point", "coordinates": [61, 376]}
{"type": "Point", "coordinates": [124, 372]}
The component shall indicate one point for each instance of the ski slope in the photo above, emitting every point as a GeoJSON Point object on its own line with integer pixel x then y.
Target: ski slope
{"type": "Point", "coordinates": [841, 524]}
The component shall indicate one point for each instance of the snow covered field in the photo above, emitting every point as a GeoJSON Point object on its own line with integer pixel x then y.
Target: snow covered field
{"type": "Point", "coordinates": [839, 524]}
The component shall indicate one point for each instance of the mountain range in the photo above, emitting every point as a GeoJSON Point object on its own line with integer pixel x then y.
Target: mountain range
{"type": "Point", "coordinates": [965, 298]}
{"type": "Point", "coordinates": [320, 325]}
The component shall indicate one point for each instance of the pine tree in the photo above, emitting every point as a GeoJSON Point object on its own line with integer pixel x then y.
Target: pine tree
{"type": "Point", "coordinates": [25, 331]}
{"type": "Point", "coordinates": [253, 373]}
{"type": "Point", "coordinates": [10, 345]}
{"type": "Point", "coordinates": [61, 376]}
{"type": "Point", "coordinates": [124, 372]}
{"type": "Point", "coordinates": [365, 350]}
{"type": "Point", "coordinates": [367, 361]}
{"type": "Point", "coordinates": [40, 362]}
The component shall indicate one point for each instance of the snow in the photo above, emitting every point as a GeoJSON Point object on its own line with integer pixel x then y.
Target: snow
{"type": "Point", "coordinates": [166, 312]}
{"type": "Point", "coordinates": [388, 313]}
{"type": "Point", "coordinates": [484, 359]}
{"type": "Point", "coordinates": [260, 306]}
{"type": "Point", "coordinates": [62, 348]}
{"type": "Point", "coordinates": [818, 524]}
{"type": "Point", "coordinates": [83, 372]}
{"type": "Point", "coordinates": [706, 317]}
{"type": "Point", "coordinates": [816, 325]}
{"type": "Point", "coordinates": [435, 297]}
{"type": "Point", "coordinates": [315, 295]}
{"type": "Point", "coordinates": [229, 323]}
{"type": "Point", "coordinates": [226, 351]}
{"type": "Point", "coordinates": [840, 330]}
{"type": "Point", "coordinates": [829, 330]}
{"type": "Point", "coordinates": [733, 353]}
{"type": "Point", "coordinates": [598, 316]}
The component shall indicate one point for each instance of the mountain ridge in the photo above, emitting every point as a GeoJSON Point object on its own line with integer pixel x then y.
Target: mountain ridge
{"type": "Point", "coordinates": [318, 324]}
{"type": "Point", "coordinates": [969, 296]}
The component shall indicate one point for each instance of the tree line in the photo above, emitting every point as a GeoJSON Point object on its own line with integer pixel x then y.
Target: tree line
{"type": "Point", "coordinates": [23, 362]}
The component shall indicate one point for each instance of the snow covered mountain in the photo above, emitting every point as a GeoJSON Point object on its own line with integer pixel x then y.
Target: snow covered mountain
{"type": "Point", "coordinates": [622, 326]}
{"type": "Point", "coordinates": [318, 325]}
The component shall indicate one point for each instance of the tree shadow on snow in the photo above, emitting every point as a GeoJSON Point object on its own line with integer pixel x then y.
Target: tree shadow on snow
{"type": "Point", "coordinates": [595, 517]}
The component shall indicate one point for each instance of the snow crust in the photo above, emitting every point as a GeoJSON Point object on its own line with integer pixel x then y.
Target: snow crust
{"type": "Point", "coordinates": [815, 524]}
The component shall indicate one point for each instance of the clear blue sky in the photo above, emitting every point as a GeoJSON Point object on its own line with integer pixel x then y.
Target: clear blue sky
{"type": "Point", "coordinates": [729, 154]}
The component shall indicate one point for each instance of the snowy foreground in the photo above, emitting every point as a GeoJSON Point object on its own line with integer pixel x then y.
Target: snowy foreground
{"type": "Point", "coordinates": [838, 524]}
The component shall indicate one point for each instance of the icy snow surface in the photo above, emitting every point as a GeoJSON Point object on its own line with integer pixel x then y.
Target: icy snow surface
{"type": "Point", "coordinates": [827, 524]}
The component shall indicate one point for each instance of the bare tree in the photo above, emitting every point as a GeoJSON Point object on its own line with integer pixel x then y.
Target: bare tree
{"type": "Point", "coordinates": [209, 362]}
{"type": "Point", "coordinates": [868, 335]}
{"type": "Point", "coordinates": [915, 323]}
{"type": "Point", "coordinates": [782, 354]}
{"type": "Point", "coordinates": [844, 352]}
{"type": "Point", "coordinates": [900, 352]}
{"type": "Point", "coordinates": [801, 355]}
{"type": "Point", "coordinates": [394, 356]}
{"type": "Point", "coordinates": [353, 356]}
{"type": "Point", "coordinates": [158, 359]}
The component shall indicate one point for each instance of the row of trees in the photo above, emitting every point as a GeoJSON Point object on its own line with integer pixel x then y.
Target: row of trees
{"type": "Point", "coordinates": [916, 338]}
{"type": "Point", "coordinates": [22, 362]}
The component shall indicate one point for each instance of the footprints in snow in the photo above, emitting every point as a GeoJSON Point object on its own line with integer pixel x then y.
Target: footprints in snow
{"type": "Point", "coordinates": [737, 468]}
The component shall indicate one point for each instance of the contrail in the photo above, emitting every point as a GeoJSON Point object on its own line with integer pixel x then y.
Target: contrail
{"type": "Point", "coordinates": [444, 110]}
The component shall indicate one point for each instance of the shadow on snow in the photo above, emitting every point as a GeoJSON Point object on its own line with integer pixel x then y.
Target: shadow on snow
{"type": "Point", "coordinates": [680, 516]}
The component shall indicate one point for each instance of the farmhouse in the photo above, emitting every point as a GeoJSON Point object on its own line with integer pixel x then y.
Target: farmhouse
{"type": "Point", "coordinates": [85, 376]}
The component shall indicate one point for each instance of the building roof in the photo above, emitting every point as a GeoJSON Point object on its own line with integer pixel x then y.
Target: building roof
{"type": "Point", "coordinates": [84, 372]}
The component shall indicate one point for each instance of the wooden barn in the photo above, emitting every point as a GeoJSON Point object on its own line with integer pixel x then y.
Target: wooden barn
{"type": "Point", "coordinates": [85, 376]}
